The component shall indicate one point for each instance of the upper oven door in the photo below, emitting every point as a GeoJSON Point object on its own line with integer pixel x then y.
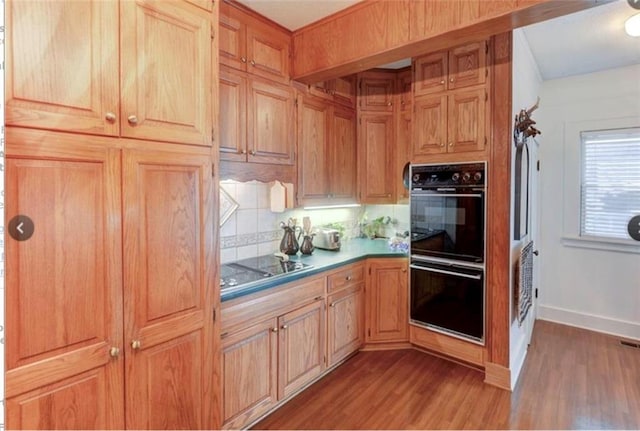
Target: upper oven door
{"type": "Point", "coordinates": [448, 224]}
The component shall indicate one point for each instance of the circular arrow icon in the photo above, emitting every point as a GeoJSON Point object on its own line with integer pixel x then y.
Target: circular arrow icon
{"type": "Point", "coordinates": [21, 228]}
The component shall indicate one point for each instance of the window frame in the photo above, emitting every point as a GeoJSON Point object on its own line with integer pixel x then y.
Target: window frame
{"type": "Point", "coordinates": [572, 186]}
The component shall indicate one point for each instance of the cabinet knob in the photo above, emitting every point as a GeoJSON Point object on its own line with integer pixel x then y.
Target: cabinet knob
{"type": "Point", "coordinates": [110, 117]}
{"type": "Point", "coordinates": [388, 195]}
{"type": "Point", "coordinates": [136, 344]}
{"type": "Point", "coordinates": [442, 82]}
{"type": "Point", "coordinates": [252, 152]}
{"type": "Point", "coordinates": [451, 80]}
{"type": "Point", "coordinates": [284, 327]}
{"type": "Point", "coordinates": [442, 144]}
{"type": "Point", "coordinates": [390, 104]}
{"type": "Point", "coordinates": [348, 278]}
{"type": "Point", "coordinates": [243, 151]}
{"type": "Point", "coordinates": [114, 352]}
{"type": "Point", "coordinates": [253, 63]}
{"type": "Point", "coordinates": [404, 269]}
{"type": "Point", "coordinates": [243, 59]}
{"type": "Point", "coordinates": [274, 329]}
{"type": "Point", "coordinates": [451, 144]}
{"type": "Point", "coordinates": [333, 304]}
{"type": "Point", "coordinates": [133, 120]}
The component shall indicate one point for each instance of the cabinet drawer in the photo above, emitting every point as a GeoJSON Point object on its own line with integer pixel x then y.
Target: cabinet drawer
{"type": "Point", "coordinates": [270, 303]}
{"type": "Point", "coordinates": [349, 276]}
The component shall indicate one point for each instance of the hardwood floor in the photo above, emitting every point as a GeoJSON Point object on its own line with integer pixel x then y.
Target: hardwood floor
{"type": "Point", "coordinates": [572, 379]}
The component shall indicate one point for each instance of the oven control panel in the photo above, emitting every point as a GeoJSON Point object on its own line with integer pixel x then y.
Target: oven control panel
{"type": "Point", "coordinates": [451, 175]}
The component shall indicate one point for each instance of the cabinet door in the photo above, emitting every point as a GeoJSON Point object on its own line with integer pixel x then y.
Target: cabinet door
{"type": "Point", "coordinates": [342, 167]}
{"type": "Point", "coordinates": [430, 73]}
{"type": "Point", "coordinates": [376, 158]}
{"type": "Point", "coordinates": [466, 122]}
{"type": "Point", "coordinates": [233, 116]}
{"type": "Point", "coordinates": [468, 65]}
{"type": "Point", "coordinates": [166, 72]}
{"type": "Point", "coordinates": [376, 91]}
{"type": "Point", "coordinates": [403, 156]}
{"type": "Point", "coordinates": [404, 85]}
{"type": "Point", "coordinates": [344, 91]}
{"type": "Point", "coordinates": [345, 323]}
{"type": "Point", "coordinates": [270, 123]}
{"type": "Point", "coordinates": [168, 289]}
{"type": "Point", "coordinates": [62, 66]}
{"type": "Point", "coordinates": [268, 52]}
{"type": "Point", "coordinates": [313, 137]}
{"type": "Point", "coordinates": [429, 126]}
{"type": "Point", "coordinates": [233, 37]}
{"type": "Point", "coordinates": [301, 347]}
{"type": "Point", "coordinates": [249, 374]}
{"type": "Point", "coordinates": [64, 301]}
{"type": "Point", "coordinates": [387, 301]}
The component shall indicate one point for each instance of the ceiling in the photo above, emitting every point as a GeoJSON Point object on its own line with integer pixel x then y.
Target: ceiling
{"type": "Point", "coordinates": [583, 42]}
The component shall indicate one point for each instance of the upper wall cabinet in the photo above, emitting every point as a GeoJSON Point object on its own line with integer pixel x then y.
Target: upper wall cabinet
{"type": "Point", "coordinates": [257, 119]}
{"type": "Point", "coordinates": [340, 90]}
{"type": "Point", "coordinates": [251, 45]}
{"type": "Point", "coordinates": [63, 71]}
{"type": "Point", "coordinates": [376, 92]}
{"type": "Point", "coordinates": [460, 67]}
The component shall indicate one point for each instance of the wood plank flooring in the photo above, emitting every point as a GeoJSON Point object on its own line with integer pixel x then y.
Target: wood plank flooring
{"type": "Point", "coordinates": [572, 379]}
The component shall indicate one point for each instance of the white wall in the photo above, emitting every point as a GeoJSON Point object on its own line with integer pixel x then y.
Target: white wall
{"type": "Point", "coordinates": [526, 84]}
{"type": "Point", "coordinates": [587, 287]}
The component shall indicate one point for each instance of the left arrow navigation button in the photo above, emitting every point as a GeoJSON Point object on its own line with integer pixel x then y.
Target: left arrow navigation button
{"type": "Point", "coordinates": [21, 228]}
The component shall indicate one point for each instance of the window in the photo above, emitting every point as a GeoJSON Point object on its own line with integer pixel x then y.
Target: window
{"type": "Point", "coordinates": [610, 188]}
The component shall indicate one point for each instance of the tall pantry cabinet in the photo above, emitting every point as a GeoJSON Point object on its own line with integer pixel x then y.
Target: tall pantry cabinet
{"type": "Point", "coordinates": [111, 305]}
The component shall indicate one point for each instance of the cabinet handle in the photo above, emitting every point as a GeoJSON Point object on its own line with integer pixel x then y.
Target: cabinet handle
{"type": "Point", "coordinates": [110, 117]}
{"type": "Point", "coordinates": [136, 344]}
{"type": "Point", "coordinates": [284, 327]}
{"type": "Point", "coordinates": [253, 63]}
{"type": "Point", "coordinates": [243, 59]}
{"type": "Point", "coordinates": [114, 352]}
{"type": "Point", "coordinates": [133, 120]}
{"type": "Point", "coordinates": [274, 329]}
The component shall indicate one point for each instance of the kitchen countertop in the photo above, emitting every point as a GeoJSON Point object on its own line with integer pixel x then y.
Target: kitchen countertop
{"type": "Point", "coordinates": [351, 251]}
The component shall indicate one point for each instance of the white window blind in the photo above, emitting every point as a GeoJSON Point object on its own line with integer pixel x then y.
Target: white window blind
{"type": "Point", "coordinates": [610, 193]}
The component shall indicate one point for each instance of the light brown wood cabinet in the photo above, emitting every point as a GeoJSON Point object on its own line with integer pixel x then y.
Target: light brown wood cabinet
{"type": "Point", "coordinates": [79, 67]}
{"type": "Point", "coordinates": [460, 67]}
{"type": "Point", "coordinates": [250, 44]}
{"type": "Point", "coordinates": [387, 301]}
{"type": "Point", "coordinates": [327, 147]}
{"type": "Point", "coordinates": [98, 298]}
{"type": "Point", "coordinates": [345, 317]}
{"type": "Point", "coordinates": [339, 90]}
{"type": "Point", "coordinates": [449, 122]}
{"type": "Point", "coordinates": [376, 158]}
{"type": "Point", "coordinates": [257, 119]}
{"type": "Point", "coordinates": [375, 91]}
{"type": "Point", "coordinates": [403, 114]}
{"type": "Point", "coordinates": [267, 362]}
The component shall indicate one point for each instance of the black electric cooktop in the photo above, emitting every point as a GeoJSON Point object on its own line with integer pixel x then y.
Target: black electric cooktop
{"type": "Point", "coordinates": [255, 269]}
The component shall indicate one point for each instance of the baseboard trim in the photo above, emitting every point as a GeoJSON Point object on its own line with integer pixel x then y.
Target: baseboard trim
{"type": "Point", "coordinates": [606, 325]}
{"type": "Point", "coordinates": [497, 375]}
{"type": "Point", "coordinates": [372, 347]}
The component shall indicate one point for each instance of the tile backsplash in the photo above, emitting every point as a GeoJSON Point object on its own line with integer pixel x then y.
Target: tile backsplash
{"type": "Point", "coordinates": [253, 230]}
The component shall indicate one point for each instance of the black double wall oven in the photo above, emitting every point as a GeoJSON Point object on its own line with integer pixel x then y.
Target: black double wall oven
{"type": "Point", "coordinates": [447, 249]}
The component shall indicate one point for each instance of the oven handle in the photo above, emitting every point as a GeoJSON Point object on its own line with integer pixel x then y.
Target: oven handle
{"type": "Point", "coordinates": [441, 271]}
{"type": "Point", "coordinates": [448, 195]}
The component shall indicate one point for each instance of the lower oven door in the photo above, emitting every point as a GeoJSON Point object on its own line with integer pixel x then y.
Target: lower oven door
{"type": "Point", "coordinates": [448, 298]}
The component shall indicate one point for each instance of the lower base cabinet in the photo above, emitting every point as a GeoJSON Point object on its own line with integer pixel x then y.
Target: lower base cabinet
{"type": "Point", "coordinates": [269, 361]}
{"type": "Point", "coordinates": [387, 301]}
{"type": "Point", "coordinates": [345, 328]}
